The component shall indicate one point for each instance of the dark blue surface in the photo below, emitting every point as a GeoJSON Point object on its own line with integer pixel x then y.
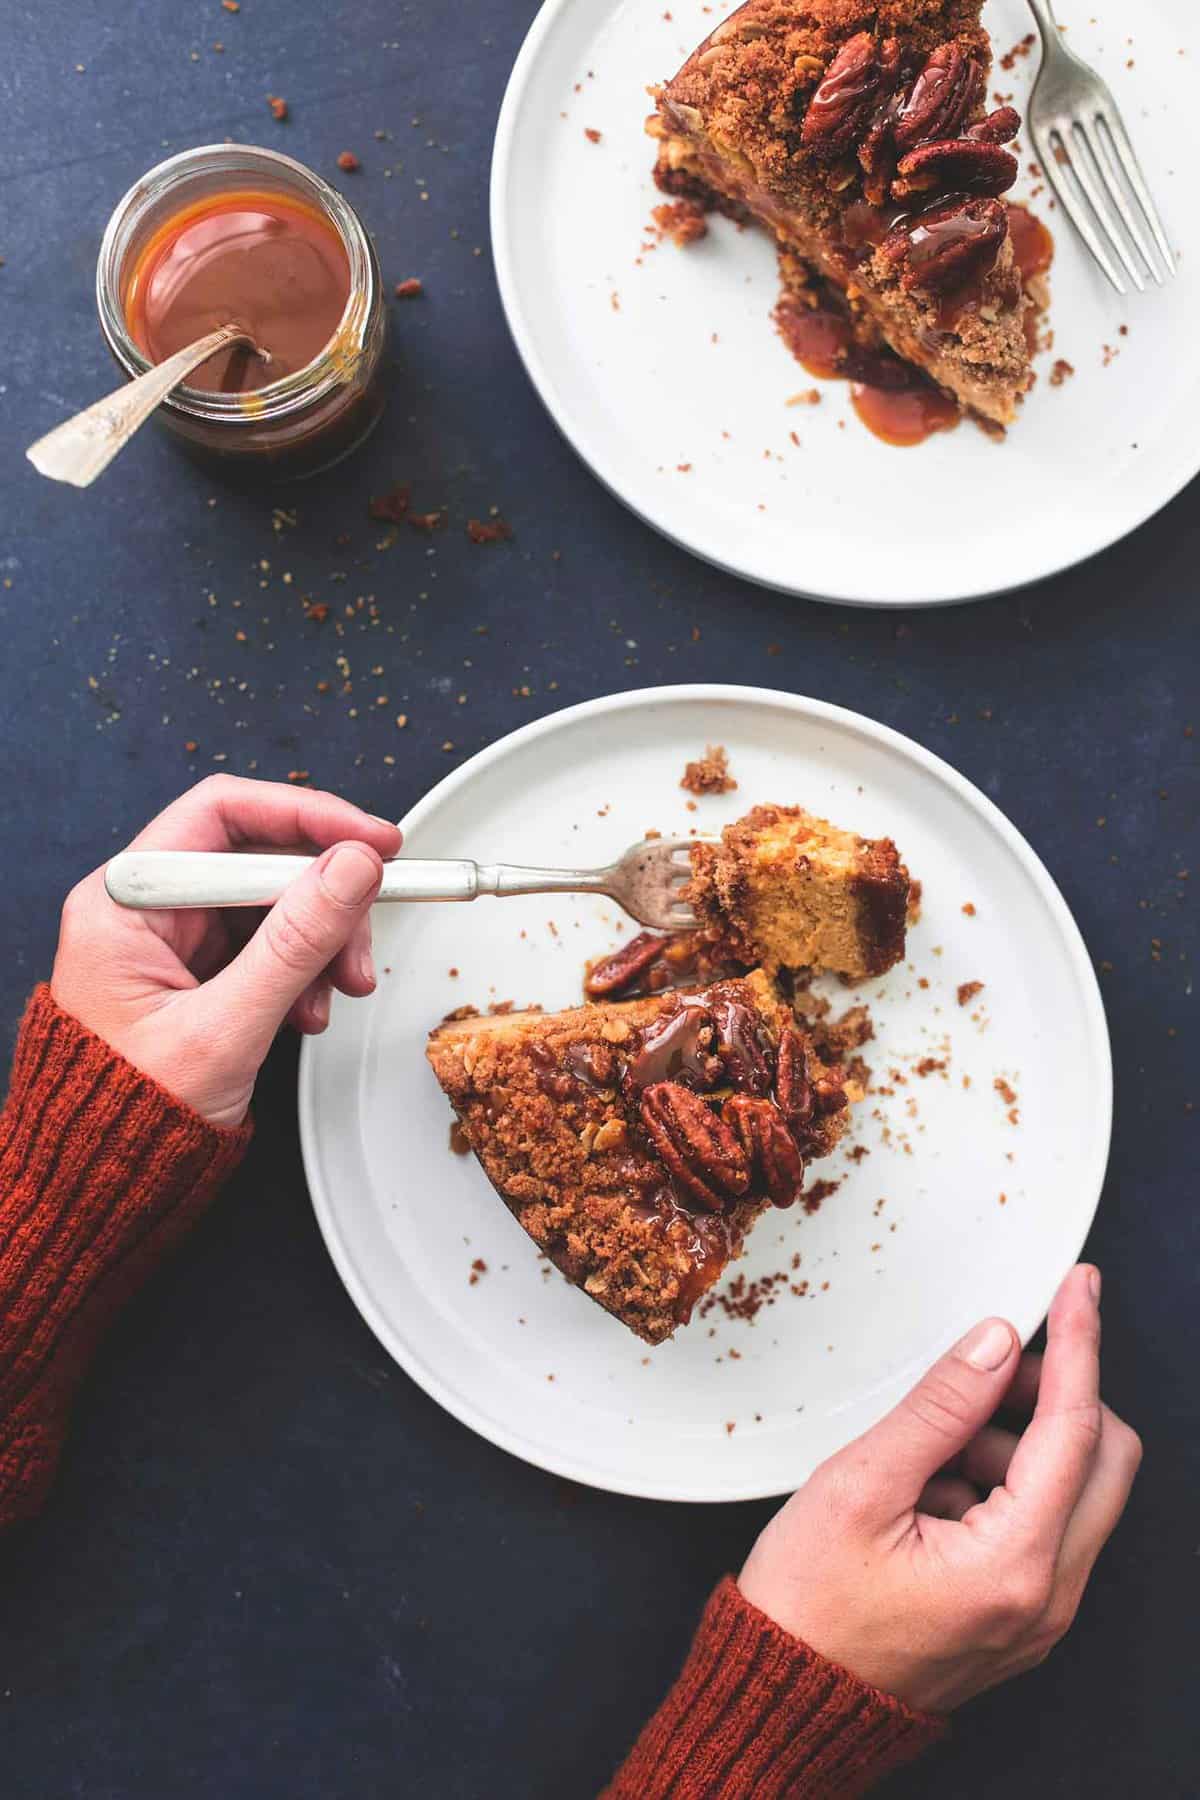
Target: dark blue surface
{"type": "Point", "coordinates": [272, 1566]}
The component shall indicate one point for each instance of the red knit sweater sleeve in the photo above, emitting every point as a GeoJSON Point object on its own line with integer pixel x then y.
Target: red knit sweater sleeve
{"type": "Point", "coordinates": [756, 1715]}
{"type": "Point", "coordinates": [101, 1170]}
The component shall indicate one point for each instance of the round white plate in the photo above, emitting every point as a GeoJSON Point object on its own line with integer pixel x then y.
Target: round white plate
{"type": "Point", "coordinates": [663, 369]}
{"type": "Point", "coordinates": [917, 1242]}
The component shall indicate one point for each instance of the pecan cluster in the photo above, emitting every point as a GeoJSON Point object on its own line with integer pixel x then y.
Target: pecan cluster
{"type": "Point", "coordinates": [907, 128]}
{"type": "Point", "coordinates": [714, 1144]}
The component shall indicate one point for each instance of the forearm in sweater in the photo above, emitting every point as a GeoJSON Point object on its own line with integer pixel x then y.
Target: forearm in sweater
{"type": "Point", "coordinates": [101, 1170]}
{"type": "Point", "coordinates": [755, 1715]}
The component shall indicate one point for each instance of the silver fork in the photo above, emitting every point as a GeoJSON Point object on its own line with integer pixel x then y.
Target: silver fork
{"type": "Point", "coordinates": [1084, 148]}
{"type": "Point", "coordinates": [646, 881]}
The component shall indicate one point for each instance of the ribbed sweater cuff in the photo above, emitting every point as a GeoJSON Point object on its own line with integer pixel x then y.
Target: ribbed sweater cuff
{"type": "Point", "coordinates": [101, 1170]}
{"type": "Point", "coordinates": [756, 1715]}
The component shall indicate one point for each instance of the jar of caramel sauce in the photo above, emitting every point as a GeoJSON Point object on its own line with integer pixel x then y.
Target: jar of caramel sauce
{"type": "Point", "coordinates": [230, 234]}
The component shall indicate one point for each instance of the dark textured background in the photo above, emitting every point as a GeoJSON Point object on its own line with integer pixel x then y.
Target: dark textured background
{"type": "Point", "coordinates": [272, 1566]}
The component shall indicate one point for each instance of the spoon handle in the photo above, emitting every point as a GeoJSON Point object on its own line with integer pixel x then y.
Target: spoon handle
{"type": "Point", "coordinates": [79, 448]}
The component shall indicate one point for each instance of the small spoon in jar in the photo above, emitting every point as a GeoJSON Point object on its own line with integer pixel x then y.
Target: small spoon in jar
{"type": "Point", "coordinates": [82, 446]}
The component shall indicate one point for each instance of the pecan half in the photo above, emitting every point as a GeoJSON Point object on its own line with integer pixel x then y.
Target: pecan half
{"type": "Point", "coordinates": [769, 1144]}
{"type": "Point", "coordinates": [841, 109]}
{"type": "Point", "coordinates": [696, 1147]}
{"type": "Point", "coordinates": [1000, 127]}
{"type": "Point", "coordinates": [943, 95]}
{"type": "Point", "coordinates": [745, 1066]}
{"type": "Point", "coordinates": [947, 245]}
{"type": "Point", "coordinates": [793, 1090]}
{"type": "Point", "coordinates": [612, 973]}
{"type": "Point", "coordinates": [877, 152]}
{"type": "Point", "coordinates": [955, 165]}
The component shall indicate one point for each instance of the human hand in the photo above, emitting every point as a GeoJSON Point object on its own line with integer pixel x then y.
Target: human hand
{"type": "Point", "coordinates": [889, 1562]}
{"type": "Point", "coordinates": [194, 998]}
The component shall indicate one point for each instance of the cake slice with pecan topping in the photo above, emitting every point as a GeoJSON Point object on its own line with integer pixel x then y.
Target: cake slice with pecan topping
{"type": "Point", "coordinates": [857, 132]}
{"type": "Point", "coordinates": [637, 1142]}
{"type": "Point", "coordinates": [782, 890]}
{"type": "Point", "coordinates": [791, 891]}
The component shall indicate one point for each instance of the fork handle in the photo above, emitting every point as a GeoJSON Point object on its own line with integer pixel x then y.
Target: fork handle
{"type": "Point", "coordinates": [167, 879]}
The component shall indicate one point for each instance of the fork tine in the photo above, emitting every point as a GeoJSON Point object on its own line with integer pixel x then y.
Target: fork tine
{"type": "Point", "coordinates": [1087, 173]}
{"type": "Point", "coordinates": [1055, 160]}
{"type": "Point", "coordinates": [1110, 175]}
{"type": "Point", "coordinates": [1117, 147]}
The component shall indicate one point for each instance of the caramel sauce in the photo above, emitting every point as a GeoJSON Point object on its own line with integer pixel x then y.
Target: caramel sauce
{"type": "Point", "coordinates": [817, 337]}
{"type": "Point", "coordinates": [261, 260]}
{"type": "Point", "coordinates": [929, 236]}
{"type": "Point", "coordinates": [904, 416]}
{"type": "Point", "coordinates": [864, 226]}
{"type": "Point", "coordinates": [585, 1063]}
{"type": "Point", "coordinates": [676, 1048]}
{"type": "Point", "coordinates": [1033, 242]}
{"type": "Point", "coordinates": [906, 411]}
{"type": "Point", "coordinates": [951, 307]}
{"type": "Point", "coordinates": [705, 1239]}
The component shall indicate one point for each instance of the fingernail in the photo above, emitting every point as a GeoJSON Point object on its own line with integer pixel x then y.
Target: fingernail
{"type": "Point", "coordinates": [1094, 1285]}
{"type": "Point", "coordinates": [988, 1347]}
{"type": "Point", "coordinates": [390, 824]}
{"type": "Point", "coordinates": [320, 1006]}
{"type": "Point", "coordinates": [366, 968]}
{"type": "Point", "coordinates": [350, 874]}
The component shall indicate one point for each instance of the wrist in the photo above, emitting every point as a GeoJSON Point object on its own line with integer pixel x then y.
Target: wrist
{"type": "Point", "coordinates": [154, 1036]}
{"type": "Point", "coordinates": [756, 1715]}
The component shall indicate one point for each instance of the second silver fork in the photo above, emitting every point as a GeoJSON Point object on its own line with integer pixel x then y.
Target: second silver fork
{"type": "Point", "coordinates": [1089, 161]}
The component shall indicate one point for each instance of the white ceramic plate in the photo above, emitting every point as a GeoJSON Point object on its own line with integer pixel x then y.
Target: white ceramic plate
{"type": "Point", "coordinates": [662, 367]}
{"type": "Point", "coordinates": [913, 1247]}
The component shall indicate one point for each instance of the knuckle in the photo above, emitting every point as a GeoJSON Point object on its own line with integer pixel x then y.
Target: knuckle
{"type": "Point", "coordinates": [939, 1406]}
{"type": "Point", "coordinates": [294, 937]}
{"type": "Point", "coordinates": [1128, 1444]}
{"type": "Point", "coordinates": [215, 787]}
{"type": "Point", "coordinates": [74, 906]}
{"type": "Point", "coordinates": [1019, 1603]}
{"type": "Point", "coordinates": [1088, 1420]}
{"type": "Point", "coordinates": [1058, 1621]}
{"type": "Point", "coordinates": [1030, 1587]}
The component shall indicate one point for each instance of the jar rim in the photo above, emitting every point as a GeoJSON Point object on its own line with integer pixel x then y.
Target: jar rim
{"type": "Point", "coordinates": [334, 364]}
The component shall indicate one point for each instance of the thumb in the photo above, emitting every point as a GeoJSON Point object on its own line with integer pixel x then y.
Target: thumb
{"type": "Point", "coordinates": [296, 942]}
{"type": "Point", "coordinates": [941, 1415]}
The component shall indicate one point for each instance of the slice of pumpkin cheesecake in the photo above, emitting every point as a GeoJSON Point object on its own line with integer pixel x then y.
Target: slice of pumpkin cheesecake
{"type": "Point", "coordinates": [858, 134]}
{"type": "Point", "coordinates": [637, 1142]}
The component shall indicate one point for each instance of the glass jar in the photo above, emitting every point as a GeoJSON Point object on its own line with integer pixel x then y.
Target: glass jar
{"type": "Point", "coordinates": [305, 421]}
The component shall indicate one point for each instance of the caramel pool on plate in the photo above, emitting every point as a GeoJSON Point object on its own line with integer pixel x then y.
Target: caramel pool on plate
{"type": "Point", "coordinates": [264, 261]}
